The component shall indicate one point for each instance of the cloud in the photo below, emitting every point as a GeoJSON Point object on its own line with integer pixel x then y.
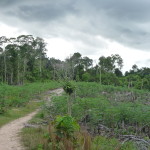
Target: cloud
{"type": "Point", "coordinates": [144, 63]}
{"type": "Point", "coordinates": [126, 22]}
{"type": "Point", "coordinates": [40, 12]}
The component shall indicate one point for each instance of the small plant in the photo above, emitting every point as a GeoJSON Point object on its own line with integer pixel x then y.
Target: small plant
{"type": "Point", "coordinates": [62, 133]}
{"type": "Point", "coordinates": [69, 88]}
{"type": "Point", "coordinates": [65, 126]}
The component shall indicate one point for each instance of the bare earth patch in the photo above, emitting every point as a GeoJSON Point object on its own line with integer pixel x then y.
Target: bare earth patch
{"type": "Point", "coordinates": [9, 134]}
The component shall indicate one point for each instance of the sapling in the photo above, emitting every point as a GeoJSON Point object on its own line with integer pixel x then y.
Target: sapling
{"type": "Point", "coordinates": [69, 88]}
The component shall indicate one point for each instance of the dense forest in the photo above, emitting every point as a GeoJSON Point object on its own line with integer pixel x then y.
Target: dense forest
{"type": "Point", "coordinates": [24, 59]}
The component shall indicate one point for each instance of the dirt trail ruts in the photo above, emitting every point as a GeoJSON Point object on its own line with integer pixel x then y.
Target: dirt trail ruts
{"type": "Point", "coordinates": [9, 133]}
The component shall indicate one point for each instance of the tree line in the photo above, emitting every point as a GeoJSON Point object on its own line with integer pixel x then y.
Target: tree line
{"type": "Point", "coordinates": [24, 59]}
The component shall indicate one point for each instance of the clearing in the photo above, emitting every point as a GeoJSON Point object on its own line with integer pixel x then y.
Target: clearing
{"type": "Point", "coordinates": [9, 133]}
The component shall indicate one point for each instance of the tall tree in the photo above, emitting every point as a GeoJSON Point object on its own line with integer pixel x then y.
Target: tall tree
{"type": "Point", "coordinates": [110, 63]}
{"type": "Point", "coordinates": [3, 43]}
{"type": "Point", "coordinates": [86, 62]}
{"type": "Point", "coordinates": [41, 52]}
{"type": "Point", "coordinates": [73, 62]}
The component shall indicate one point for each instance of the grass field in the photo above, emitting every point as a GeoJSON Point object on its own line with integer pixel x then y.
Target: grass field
{"type": "Point", "coordinates": [113, 107]}
{"type": "Point", "coordinates": [17, 101]}
{"type": "Point", "coordinates": [107, 112]}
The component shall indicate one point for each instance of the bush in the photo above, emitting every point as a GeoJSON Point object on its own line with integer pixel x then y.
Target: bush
{"type": "Point", "coordinates": [65, 126]}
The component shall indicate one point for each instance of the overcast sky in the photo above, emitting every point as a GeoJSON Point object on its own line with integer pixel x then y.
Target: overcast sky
{"type": "Point", "coordinates": [91, 27]}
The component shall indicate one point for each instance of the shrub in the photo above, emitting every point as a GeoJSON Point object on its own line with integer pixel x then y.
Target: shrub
{"type": "Point", "coordinates": [65, 126]}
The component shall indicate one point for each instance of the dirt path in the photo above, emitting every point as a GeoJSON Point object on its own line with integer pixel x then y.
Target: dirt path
{"type": "Point", "coordinates": [9, 139]}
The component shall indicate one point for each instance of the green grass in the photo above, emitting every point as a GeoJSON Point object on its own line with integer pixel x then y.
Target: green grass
{"type": "Point", "coordinates": [18, 95]}
{"type": "Point", "coordinates": [122, 110]}
{"type": "Point", "coordinates": [15, 113]}
{"type": "Point", "coordinates": [39, 139]}
{"type": "Point", "coordinates": [104, 143]}
{"type": "Point", "coordinates": [34, 138]}
{"type": "Point", "coordinates": [103, 111]}
{"type": "Point", "coordinates": [16, 101]}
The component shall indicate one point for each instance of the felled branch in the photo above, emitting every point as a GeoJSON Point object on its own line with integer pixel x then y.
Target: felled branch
{"type": "Point", "coordinates": [134, 138]}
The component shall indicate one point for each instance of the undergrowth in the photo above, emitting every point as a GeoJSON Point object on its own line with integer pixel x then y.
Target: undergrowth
{"type": "Point", "coordinates": [62, 134]}
{"type": "Point", "coordinates": [106, 112]}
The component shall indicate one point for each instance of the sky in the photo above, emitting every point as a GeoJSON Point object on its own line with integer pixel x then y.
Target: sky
{"type": "Point", "coordinates": [93, 28]}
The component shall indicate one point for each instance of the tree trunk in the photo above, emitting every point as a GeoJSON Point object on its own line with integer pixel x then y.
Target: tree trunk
{"type": "Point", "coordinates": [24, 70]}
{"type": "Point", "coordinates": [142, 85]}
{"type": "Point", "coordinates": [40, 66]}
{"type": "Point", "coordinates": [18, 74]}
{"type": "Point", "coordinates": [69, 105]}
{"type": "Point", "coordinates": [100, 76]}
{"type": "Point", "coordinates": [5, 68]}
{"type": "Point", "coordinates": [54, 73]}
{"type": "Point", "coordinates": [11, 78]}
